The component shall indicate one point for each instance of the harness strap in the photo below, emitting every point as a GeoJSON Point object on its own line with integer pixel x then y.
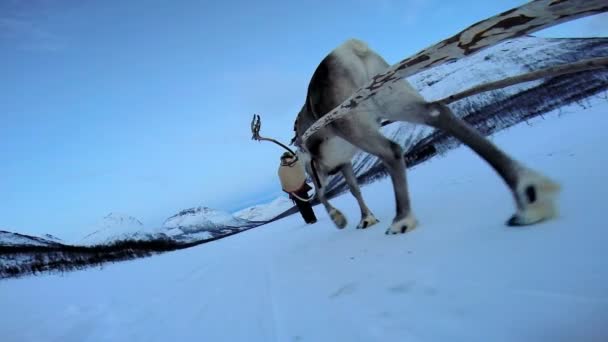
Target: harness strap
{"type": "Point", "coordinates": [314, 172]}
{"type": "Point", "coordinates": [303, 199]}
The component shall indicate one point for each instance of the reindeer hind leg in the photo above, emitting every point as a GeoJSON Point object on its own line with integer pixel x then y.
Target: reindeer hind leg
{"type": "Point", "coordinates": [534, 193]}
{"type": "Point", "coordinates": [367, 218]}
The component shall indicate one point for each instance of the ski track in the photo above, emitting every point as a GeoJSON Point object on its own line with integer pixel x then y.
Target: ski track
{"type": "Point", "coordinates": [461, 276]}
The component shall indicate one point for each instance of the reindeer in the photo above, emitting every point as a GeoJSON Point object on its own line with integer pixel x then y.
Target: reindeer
{"type": "Point", "coordinates": [342, 113]}
{"type": "Point", "coordinates": [331, 149]}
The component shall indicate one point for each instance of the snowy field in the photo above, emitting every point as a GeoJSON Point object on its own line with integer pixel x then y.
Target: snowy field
{"type": "Point", "coordinates": [461, 276]}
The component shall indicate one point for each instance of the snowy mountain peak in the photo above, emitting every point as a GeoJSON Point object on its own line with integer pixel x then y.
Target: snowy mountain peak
{"type": "Point", "coordinates": [115, 226]}
{"type": "Point", "coordinates": [51, 237]}
{"type": "Point", "coordinates": [266, 211]}
{"type": "Point", "coordinates": [201, 217]}
{"type": "Point", "coordinates": [118, 218]}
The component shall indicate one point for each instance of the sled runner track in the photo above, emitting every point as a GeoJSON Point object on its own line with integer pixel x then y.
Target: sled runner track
{"type": "Point", "coordinates": [274, 310]}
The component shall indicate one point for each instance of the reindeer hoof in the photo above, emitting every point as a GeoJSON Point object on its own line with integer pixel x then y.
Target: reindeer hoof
{"type": "Point", "coordinates": [517, 221]}
{"type": "Point", "coordinates": [367, 222]}
{"type": "Point", "coordinates": [338, 218]}
{"type": "Point", "coordinates": [538, 195]}
{"type": "Point", "coordinates": [404, 225]}
{"type": "Point", "coordinates": [532, 216]}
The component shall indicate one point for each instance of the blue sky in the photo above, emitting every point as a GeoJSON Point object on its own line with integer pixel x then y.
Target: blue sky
{"type": "Point", "coordinates": [143, 107]}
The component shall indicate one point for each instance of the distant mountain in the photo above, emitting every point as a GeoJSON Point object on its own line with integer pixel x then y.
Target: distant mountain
{"type": "Point", "coordinates": [52, 238]}
{"type": "Point", "coordinates": [202, 218]}
{"type": "Point", "coordinates": [16, 239]}
{"type": "Point", "coordinates": [116, 226]}
{"type": "Point", "coordinates": [202, 223]}
{"type": "Point", "coordinates": [266, 211]}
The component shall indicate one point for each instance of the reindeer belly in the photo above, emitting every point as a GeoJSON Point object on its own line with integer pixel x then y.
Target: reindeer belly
{"type": "Point", "coordinates": [336, 152]}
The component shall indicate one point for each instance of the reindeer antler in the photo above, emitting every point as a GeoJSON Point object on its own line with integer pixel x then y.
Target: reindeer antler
{"type": "Point", "coordinates": [256, 124]}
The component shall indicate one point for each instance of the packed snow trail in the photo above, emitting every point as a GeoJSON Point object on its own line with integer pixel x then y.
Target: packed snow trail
{"type": "Point", "coordinates": [461, 276]}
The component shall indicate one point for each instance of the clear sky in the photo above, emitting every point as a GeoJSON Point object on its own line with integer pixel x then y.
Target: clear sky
{"type": "Point", "coordinates": [143, 107]}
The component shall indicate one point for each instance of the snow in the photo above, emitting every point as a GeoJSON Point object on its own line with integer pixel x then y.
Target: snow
{"type": "Point", "coordinates": [461, 276]}
{"type": "Point", "coordinates": [266, 211]}
{"type": "Point", "coordinates": [198, 236]}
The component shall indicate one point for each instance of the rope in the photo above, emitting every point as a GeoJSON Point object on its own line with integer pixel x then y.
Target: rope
{"type": "Point", "coordinates": [302, 199]}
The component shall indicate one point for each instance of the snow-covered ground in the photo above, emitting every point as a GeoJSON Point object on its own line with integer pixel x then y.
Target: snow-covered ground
{"type": "Point", "coordinates": [461, 276]}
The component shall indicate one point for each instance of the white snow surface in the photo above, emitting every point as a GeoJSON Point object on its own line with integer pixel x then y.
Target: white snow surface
{"type": "Point", "coordinates": [115, 226]}
{"type": "Point", "coordinates": [462, 275]}
{"type": "Point", "coordinates": [266, 211]}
